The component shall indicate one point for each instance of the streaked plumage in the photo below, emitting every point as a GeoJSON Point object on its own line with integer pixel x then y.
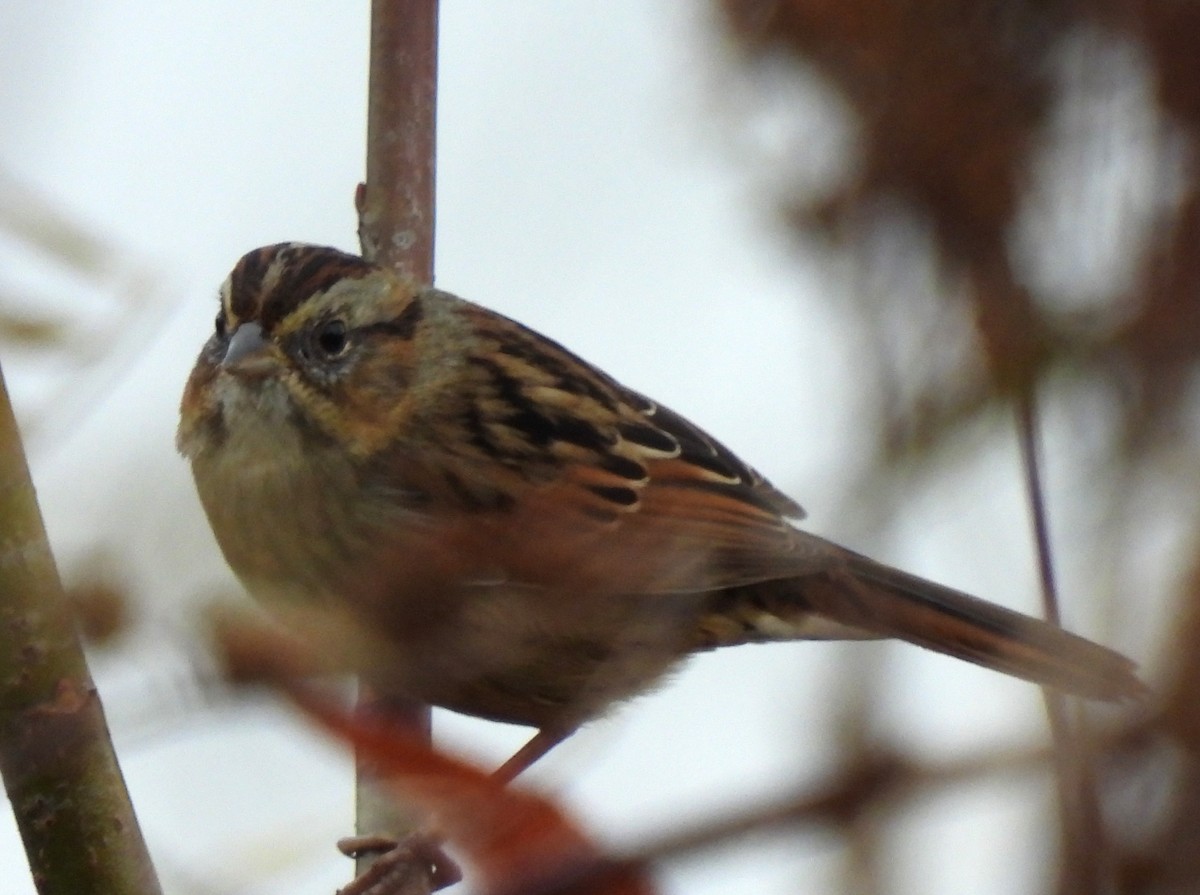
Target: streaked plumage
{"type": "Point", "coordinates": [502, 529]}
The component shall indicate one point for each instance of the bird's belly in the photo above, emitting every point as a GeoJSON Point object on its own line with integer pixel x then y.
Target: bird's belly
{"type": "Point", "coordinates": [537, 657]}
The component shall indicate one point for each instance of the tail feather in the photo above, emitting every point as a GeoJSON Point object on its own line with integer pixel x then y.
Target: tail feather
{"type": "Point", "coordinates": [862, 599]}
{"type": "Point", "coordinates": [892, 603]}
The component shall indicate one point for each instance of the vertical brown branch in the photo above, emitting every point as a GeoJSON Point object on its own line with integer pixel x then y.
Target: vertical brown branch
{"type": "Point", "coordinates": [59, 768]}
{"type": "Point", "coordinates": [395, 227]}
{"type": "Point", "coordinates": [396, 206]}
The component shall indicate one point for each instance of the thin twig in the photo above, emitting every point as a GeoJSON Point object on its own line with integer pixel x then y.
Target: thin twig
{"type": "Point", "coordinates": [1083, 866]}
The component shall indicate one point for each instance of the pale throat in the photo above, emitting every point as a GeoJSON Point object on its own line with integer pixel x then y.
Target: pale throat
{"type": "Point", "coordinates": [286, 511]}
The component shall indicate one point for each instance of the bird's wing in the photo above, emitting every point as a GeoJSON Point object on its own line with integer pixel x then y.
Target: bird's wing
{"type": "Point", "coordinates": [560, 475]}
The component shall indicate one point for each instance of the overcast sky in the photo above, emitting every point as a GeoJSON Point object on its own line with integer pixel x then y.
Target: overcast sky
{"type": "Point", "coordinates": [599, 179]}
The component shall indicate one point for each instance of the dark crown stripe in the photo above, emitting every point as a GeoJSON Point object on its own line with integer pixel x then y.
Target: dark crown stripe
{"type": "Point", "coordinates": [323, 267]}
{"type": "Point", "coordinates": [245, 282]}
{"type": "Point", "coordinates": [307, 271]}
{"type": "Point", "coordinates": [302, 271]}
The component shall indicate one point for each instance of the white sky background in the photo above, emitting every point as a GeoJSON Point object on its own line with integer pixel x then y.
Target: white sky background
{"type": "Point", "coordinates": [595, 183]}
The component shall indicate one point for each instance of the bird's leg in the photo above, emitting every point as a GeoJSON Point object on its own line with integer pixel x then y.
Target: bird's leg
{"type": "Point", "coordinates": [396, 861]}
{"type": "Point", "coordinates": [395, 857]}
{"type": "Point", "coordinates": [539, 744]}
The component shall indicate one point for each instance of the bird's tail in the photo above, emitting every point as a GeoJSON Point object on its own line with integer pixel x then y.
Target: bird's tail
{"type": "Point", "coordinates": [892, 603]}
{"type": "Point", "coordinates": [866, 599]}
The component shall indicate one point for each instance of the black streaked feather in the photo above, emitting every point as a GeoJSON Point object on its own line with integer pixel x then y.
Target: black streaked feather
{"type": "Point", "coordinates": [561, 365]}
{"type": "Point", "coordinates": [618, 494]}
{"type": "Point", "coordinates": [624, 467]}
{"type": "Point", "coordinates": [648, 436]}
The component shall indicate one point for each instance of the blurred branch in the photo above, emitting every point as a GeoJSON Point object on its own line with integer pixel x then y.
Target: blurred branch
{"type": "Point", "coordinates": [868, 785]}
{"type": "Point", "coordinates": [59, 768]}
{"type": "Point", "coordinates": [396, 217]}
{"type": "Point", "coordinates": [983, 129]}
{"type": "Point", "coordinates": [33, 220]}
{"type": "Point", "coordinates": [90, 303]}
{"type": "Point", "coordinates": [1086, 863]}
{"type": "Point", "coordinates": [871, 785]}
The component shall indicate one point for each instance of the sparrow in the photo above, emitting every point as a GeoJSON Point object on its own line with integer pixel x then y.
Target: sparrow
{"type": "Point", "coordinates": [469, 515]}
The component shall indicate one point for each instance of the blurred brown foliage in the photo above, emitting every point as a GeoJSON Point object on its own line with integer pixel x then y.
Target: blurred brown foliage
{"type": "Point", "coordinates": [515, 841]}
{"type": "Point", "coordinates": [955, 104]}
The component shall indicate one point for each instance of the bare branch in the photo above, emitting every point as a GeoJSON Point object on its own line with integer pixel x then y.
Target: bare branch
{"type": "Point", "coordinates": [59, 768]}
{"type": "Point", "coordinates": [396, 215]}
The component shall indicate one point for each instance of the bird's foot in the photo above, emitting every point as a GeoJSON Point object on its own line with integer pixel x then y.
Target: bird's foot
{"type": "Point", "coordinates": [395, 862]}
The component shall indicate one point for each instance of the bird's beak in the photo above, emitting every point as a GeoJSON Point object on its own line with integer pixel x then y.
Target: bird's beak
{"type": "Point", "coordinates": [247, 349]}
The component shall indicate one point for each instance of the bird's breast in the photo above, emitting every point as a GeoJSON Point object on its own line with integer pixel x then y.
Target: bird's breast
{"type": "Point", "coordinates": [291, 513]}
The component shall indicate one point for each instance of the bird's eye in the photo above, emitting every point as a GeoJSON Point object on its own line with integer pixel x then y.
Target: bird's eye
{"type": "Point", "coordinates": [220, 324]}
{"type": "Point", "coordinates": [331, 338]}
